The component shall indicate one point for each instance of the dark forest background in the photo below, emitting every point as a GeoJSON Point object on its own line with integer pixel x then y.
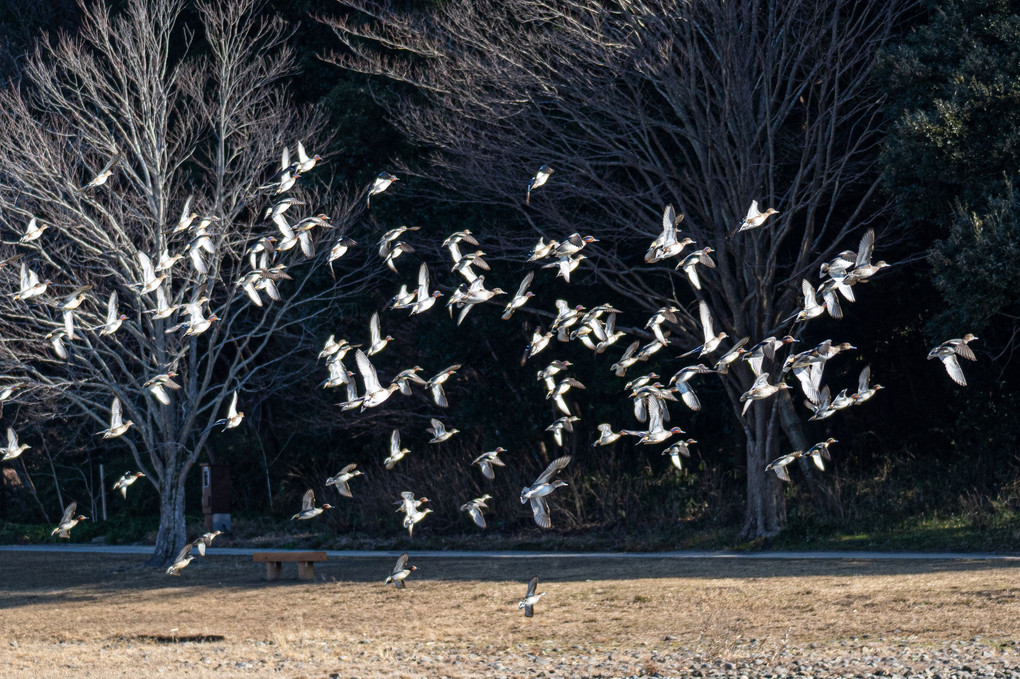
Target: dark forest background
{"type": "Point", "coordinates": [927, 464]}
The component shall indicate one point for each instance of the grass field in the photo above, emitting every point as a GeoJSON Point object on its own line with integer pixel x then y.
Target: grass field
{"type": "Point", "coordinates": [103, 616]}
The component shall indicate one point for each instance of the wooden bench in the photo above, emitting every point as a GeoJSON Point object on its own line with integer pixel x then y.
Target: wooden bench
{"type": "Point", "coordinates": [274, 563]}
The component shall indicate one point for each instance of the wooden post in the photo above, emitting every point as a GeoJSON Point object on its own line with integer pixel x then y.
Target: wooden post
{"type": "Point", "coordinates": [306, 570]}
{"type": "Point", "coordinates": [273, 570]}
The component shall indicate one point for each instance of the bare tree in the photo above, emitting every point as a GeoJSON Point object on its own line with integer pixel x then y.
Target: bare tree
{"type": "Point", "coordinates": [641, 103]}
{"type": "Point", "coordinates": [105, 142]}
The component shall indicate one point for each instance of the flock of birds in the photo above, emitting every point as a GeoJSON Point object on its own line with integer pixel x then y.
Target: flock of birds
{"type": "Point", "coordinates": [594, 328]}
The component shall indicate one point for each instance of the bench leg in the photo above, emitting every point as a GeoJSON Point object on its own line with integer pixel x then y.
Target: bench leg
{"type": "Point", "coordinates": [273, 570]}
{"type": "Point", "coordinates": [306, 570]}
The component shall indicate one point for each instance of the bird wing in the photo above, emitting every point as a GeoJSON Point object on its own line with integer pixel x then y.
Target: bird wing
{"type": "Point", "coordinates": [344, 488]}
{"type": "Point", "coordinates": [232, 411]}
{"type": "Point", "coordinates": [185, 550]}
{"type": "Point", "coordinates": [862, 381]}
{"type": "Point", "coordinates": [302, 156]}
{"type": "Point", "coordinates": [540, 509]}
{"type": "Point", "coordinates": [688, 396]}
{"type": "Point", "coordinates": [115, 413]}
{"type": "Point", "coordinates": [367, 370]}
{"type": "Point", "coordinates": [533, 584]}
{"type": "Point", "coordinates": [111, 308]}
{"type": "Point", "coordinates": [308, 501]}
{"type": "Point", "coordinates": [373, 327]}
{"type": "Point", "coordinates": [752, 211]}
{"type": "Point", "coordinates": [523, 288]}
{"type": "Point", "coordinates": [423, 281]}
{"type": "Point", "coordinates": [954, 369]}
{"type": "Point", "coordinates": [285, 158]}
{"type": "Point", "coordinates": [200, 544]}
{"type": "Point", "coordinates": [12, 439]}
{"type": "Point", "coordinates": [186, 211]}
{"type": "Point", "coordinates": [394, 442]}
{"type": "Point", "coordinates": [69, 512]}
{"type": "Point", "coordinates": [865, 249]}
{"type": "Point", "coordinates": [965, 351]}
{"type": "Point", "coordinates": [706, 321]}
{"type": "Point", "coordinates": [554, 466]}
{"type": "Point", "coordinates": [809, 294]}
{"type": "Point", "coordinates": [401, 562]}
{"type": "Point", "coordinates": [147, 272]}
{"type": "Point", "coordinates": [476, 514]}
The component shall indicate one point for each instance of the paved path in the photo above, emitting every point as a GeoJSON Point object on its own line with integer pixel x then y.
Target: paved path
{"type": "Point", "coordinates": [455, 554]}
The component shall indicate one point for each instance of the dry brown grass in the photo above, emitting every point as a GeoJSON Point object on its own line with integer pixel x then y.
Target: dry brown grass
{"type": "Point", "coordinates": [69, 615]}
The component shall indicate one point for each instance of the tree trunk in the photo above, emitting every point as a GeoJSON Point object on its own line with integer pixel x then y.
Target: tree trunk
{"type": "Point", "coordinates": [172, 530]}
{"type": "Point", "coordinates": [765, 513]}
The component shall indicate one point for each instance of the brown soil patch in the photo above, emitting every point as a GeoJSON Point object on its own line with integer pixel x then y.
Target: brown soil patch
{"type": "Point", "coordinates": [105, 616]}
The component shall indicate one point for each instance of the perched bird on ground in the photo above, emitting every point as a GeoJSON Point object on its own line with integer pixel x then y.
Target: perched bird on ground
{"type": "Point", "coordinates": [486, 461]}
{"type": "Point", "coordinates": [396, 452]}
{"type": "Point", "coordinates": [206, 541]}
{"type": "Point", "coordinates": [474, 509]}
{"type": "Point", "coordinates": [308, 508]}
{"type": "Point", "coordinates": [400, 572]}
{"type": "Point", "coordinates": [540, 178]}
{"type": "Point", "coordinates": [947, 353]}
{"type": "Point", "coordinates": [381, 183]}
{"type": "Point", "coordinates": [542, 487]}
{"type": "Point", "coordinates": [341, 479]}
{"type": "Point", "coordinates": [125, 481]}
{"type": "Point", "coordinates": [531, 598]}
{"type": "Point", "coordinates": [118, 426]}
{"type": "Point", "coordinates": [755, 218]}
{"type": "Point", "coordinates": [68, 521]}
{"type": "Point", "coordinates": [183, 559]}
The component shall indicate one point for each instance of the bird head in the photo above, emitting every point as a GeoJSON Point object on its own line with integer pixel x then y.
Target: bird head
{"type": "Point", "coordinates": [214, 317]}
{"type": "Point", "coordinates": [81, 518]}
{"type": "Point", "coordinates": [327, 506]}
{"type": "Point", "coordinates": [139, 475]}
{"type": "Point", "coordinates": [122, 317]}
{"type": "Point", "coordinates": [412, 568]}
{"type": "Point", "coordinates": [676, 430]}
